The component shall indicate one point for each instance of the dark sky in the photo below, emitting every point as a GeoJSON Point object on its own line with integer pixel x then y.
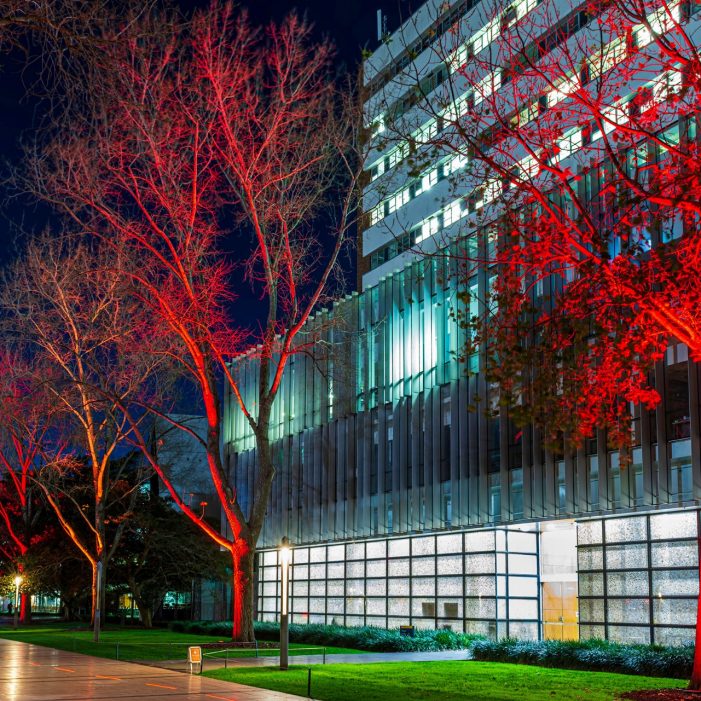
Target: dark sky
{"type": "Point", "coordinates": [350, 24]}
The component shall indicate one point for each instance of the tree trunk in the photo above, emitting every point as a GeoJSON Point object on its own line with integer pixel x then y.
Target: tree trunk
{"type": "Point", "coordinates": [695, 681]}
{"type": "Point", "coordinates": [243, 557]}
{"type": "Point", "coordinates": [145, 613]}
{"type": "Point", "coordinates": [25, 607]}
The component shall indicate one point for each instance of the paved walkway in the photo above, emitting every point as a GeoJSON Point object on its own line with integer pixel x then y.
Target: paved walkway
{"type": "Point", "coordinates": [360, 658]}
{"type": "Point", "coordinates": [34, 673]}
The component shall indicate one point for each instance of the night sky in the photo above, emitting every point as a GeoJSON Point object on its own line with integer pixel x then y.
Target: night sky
{"type": "Point", "coordinates": [350, 24]}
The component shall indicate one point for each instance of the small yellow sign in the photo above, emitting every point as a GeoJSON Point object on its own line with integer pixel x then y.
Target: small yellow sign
{"type": "Point", "coordinates": [194, 655]}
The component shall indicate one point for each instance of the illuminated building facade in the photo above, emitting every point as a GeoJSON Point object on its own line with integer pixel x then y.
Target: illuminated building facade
{"type": "Point", "coordinates": [408, 501]}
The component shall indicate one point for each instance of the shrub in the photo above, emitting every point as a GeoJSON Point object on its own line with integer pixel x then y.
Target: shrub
{"type": "Point", "coordinates": [362, 638]}
{"type": "Point", "coordinates": [593, 655]}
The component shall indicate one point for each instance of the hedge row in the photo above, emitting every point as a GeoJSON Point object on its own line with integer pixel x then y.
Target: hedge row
{"type": "Point", "coordinates": [364, 638]}
{"type": "Point", "coordinates": [592, 655]}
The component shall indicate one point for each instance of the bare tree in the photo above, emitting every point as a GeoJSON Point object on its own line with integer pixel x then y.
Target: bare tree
{"type": "Point", "coordinates": [207, 130]}
{"type": "Point", "coordinates": [72, 319]}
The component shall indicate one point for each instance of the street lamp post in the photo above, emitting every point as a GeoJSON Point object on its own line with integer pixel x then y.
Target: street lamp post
{"type": "Point", "coordinates": [18, 581]}
{"type": "Point", "coordinates": [284, 602]}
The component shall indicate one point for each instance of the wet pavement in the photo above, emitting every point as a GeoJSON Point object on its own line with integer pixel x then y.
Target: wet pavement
{"type": "Point", "coordinates": [35, 673]}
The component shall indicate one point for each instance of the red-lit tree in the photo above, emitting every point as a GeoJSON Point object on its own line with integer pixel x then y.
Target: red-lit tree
{"type": "Point", "coordinates": [25, 424]}
{"type": "Point", "coordinates": [75, 326]}
{"type": "Point", "coordinates": [202, 130]}
{"type": "Point", "coordinates": [570, 140]}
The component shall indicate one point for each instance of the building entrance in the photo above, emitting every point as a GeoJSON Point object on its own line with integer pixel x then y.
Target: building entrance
{"type": "Point", "coordinates": [558, 576]}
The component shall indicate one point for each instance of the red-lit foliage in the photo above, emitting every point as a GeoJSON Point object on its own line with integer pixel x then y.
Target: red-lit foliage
{"type": "Point", "coordinates": [201, 130]}
{"type": "Point", "coordinates": [578, 130]}
{"type": "Point", "coordinates": [25, 422]}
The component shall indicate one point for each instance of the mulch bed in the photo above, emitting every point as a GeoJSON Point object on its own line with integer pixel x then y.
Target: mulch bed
{"type": "Point", "coordinates": [662, 695]}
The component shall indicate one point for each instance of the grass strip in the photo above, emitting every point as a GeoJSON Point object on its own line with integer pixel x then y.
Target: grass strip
{"type": "Point", "coordinates": [443, 681]}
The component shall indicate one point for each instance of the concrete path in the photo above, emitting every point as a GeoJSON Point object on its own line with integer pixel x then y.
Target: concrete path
{"type": "Point", "coordinates": [34, 673]}
{"type": "Point", "coordinates": [361, 658]}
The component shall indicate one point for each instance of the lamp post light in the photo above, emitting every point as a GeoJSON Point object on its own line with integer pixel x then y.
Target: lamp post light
{"type": "Point", "coordinates": [18, 581]}
{"type": "Point", "coordinates": [285, 556]}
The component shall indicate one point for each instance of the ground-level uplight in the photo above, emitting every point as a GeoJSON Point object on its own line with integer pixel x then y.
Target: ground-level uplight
{"type": "Point", "coordinates": [285, 556]}
{"type": "Point", "coordinates": [18, 581]}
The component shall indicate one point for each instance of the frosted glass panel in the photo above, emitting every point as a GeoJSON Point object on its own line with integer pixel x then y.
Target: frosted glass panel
{"type": "Point", "coordinates": [629, 634]}
{"type": "Point", "coordinates": [317, 554]}
{"type": "Point", "coordinates": [355, 587]}
{"type": "Point", "coordinates": [523, 608]}
{"type": "Point", "coordinates": [523, 586]}
{"type": "Point", "coordinates": [300, 588]}
{"type": "Point", "coordinates": [355, 569]}
{"type": "Point", "coordinates": [671, 526]}
{"type": "Point", "coordinates": [624, 530]}
{"type": "Point", "coordinates": [376, 587]}
{"type": "Point", "coordinates": [591, 632]}
{"type": "Point", "coordinates": [476, 541]}
{"type": "Point", "coordinates": [334, 605]}
{"type": "Point", "coordinates": [270, 557]}
{"type": "Point", "coordinates": [270, 589]}
{"type": "Point", "coordinates": [398, 587]}
{"type": "Point", "coordinates": [421, 566]}
{"type": "Point", "coordinates": [398, 607]}
{"type": "Point", "coordinates": [591, 558]}
{"type": "Point", "coordinates": [299, 605]}
{"type": "Point", "coordinates": [355, 551]}
{"type": "Point", "coordinates": [300, 572]}
{"type": "Point", "coordinates": [591, 610]}
{"type": "Point", "coordinates": [450, 586]}
{"type": "Point", "coordinates": [674, 636]}
{"type": "Point", "coordinates": [480, 608]}
{"type": "Point", "coordinates": [674, 611]}
{"type": "Point", "coordinates": [317, 571]}
{"type": "Point", "coordinates": [300, 555]}
{"type": "Point", "coordinates": [522, 564]}
{"type": "Point", "coordinates": [478, 564]}
{"type": "Point", "coordinates": [480, 586]}
{"type": "Point", "coordinates": [335, 587]}
{"type": "Point", "coordinates": [317, 588]}
{"type": "Point", "coordinates": [376, 607]}
{"type": "Point", "coordinates": [679, 554]}
{"type": "Point", "coordinates": [399, 568]}
{"type": "Point", "coordinates": [523, 542]}
{"type": "Point", "coordinates": [589, 532]}
{"type": "Point", "coordinates": [523, 631]}
{"type": "Point", "coordinates": [449, 564]}
{"type": "Point", "coordinates": [627, 583]}
{"type": "Point", "coordinates": [399, 548]}
{"type": "Point", "coordinates": [317, 605]}
{"type": "Point", "coordinates": [449, 543]}
{"type": "Point", "coordinates": [679, 583]}
{"type": "Point", "coordinates": [628, 611]}
{"type": "Point", "coordinates": [423, 586]}
{"type": "Point", "coordinates": [270, 604]}
{"type": "Point", "coordinates": [591, 584]}
{"type": "Point", "coordinates": [335, 570]}
{"type": "Point", "coordinates": [376, 568]}
{"type": "Point", "coordinates": [423, 546]}
{"type": "Point", "coordinates": [376, 548]}
{"type": "Point", "coordinates": [450, 608]}
{"type": "Point", "coordinates": [626, 556]}
{"type": "Point", "coordinates": [335, 552]}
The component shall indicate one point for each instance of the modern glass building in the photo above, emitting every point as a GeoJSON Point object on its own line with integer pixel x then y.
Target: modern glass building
{"type": "Point", "coordinates": [410, 496]}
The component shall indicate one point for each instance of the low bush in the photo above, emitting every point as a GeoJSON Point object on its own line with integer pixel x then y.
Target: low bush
{"type": "Point", "coordinates": [363, 638]}
{"type": "Point", "coordinates": [592, 655]}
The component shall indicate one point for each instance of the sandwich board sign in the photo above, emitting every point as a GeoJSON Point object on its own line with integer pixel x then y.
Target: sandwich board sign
{"type": "Point", "coordinates": [194, 658]}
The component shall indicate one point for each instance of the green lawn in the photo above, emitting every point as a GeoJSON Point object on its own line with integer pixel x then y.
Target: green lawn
{"type": "Point", "coordinates": [443, 681]}
{"type": "Point", "coordinates": [137, 644]}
